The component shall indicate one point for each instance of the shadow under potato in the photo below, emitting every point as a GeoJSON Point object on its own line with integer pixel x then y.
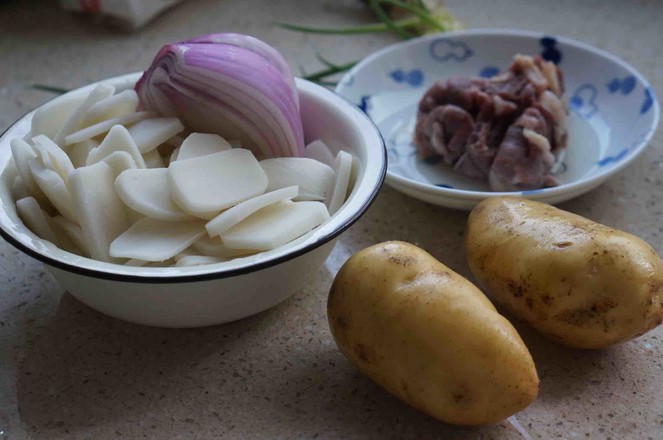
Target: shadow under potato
{"type": "Point", "coordinates": [566, 372]}
{"type": "Point", "coordinates": [324, 395]}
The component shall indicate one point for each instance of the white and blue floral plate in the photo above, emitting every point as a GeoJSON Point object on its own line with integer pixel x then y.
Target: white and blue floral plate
{"type": "Point", "coordinates": [613, 109]}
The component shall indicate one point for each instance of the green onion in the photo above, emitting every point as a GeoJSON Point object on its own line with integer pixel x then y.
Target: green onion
{"type": "Point", "coordinates": [364, 29]}
{"type": "Point", "coordinates": [384, 17]}
{"type": "Point", "coordinates": [332, 70]}
{"type": "Point", "coordinates": [420, 12]}
{"type": "Point", "coordinates": [421, 19]}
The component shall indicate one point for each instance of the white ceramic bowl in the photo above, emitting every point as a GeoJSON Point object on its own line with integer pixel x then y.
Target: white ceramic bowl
{"type": "Point", "coordinates": [614, 111]}
{"type": "Point", "coordinates": [218, 293]}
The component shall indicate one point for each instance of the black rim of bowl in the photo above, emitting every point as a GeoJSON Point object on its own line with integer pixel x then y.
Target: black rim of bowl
{"type": "Point", "coordinates": [175, 279]}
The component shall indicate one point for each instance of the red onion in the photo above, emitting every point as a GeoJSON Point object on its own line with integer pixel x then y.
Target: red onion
{"type": "Point", "coordinates": [230, 84]}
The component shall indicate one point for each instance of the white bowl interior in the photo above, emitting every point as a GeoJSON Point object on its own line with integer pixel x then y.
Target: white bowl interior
{"type": "Point", "coordinates": [325, 116]}
{"type": "Point", "coordinates": [613, 109]}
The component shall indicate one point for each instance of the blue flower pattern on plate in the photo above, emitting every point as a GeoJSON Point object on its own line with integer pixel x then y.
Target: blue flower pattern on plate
{"type": "Point", "coordinates": [583, 101]}
{"type": "Point", "coordinates": [444, 49]}
{"type": "Point", "coordinates": [612, 159]}
{"type": "Point", "coordinates": [414, 77]}
{"type": "Point", "coordinates": [625, 85]}
{"type": "Point", "coordinates": [489, 71]}
{"type": "Point", "coordinates": [444, 185]}
{"type": "Point", "coordinates": [550, 51]}
{"type": "Point", "coordinates": [649, 101]}
{"type": "Point", "coordinates": [622, 154]}
{"type": "Point", "coordinates": [365, 103]}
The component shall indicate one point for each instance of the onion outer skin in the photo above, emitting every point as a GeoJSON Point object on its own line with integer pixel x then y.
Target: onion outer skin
{"type": "Point", "coordinates": [233, 85]}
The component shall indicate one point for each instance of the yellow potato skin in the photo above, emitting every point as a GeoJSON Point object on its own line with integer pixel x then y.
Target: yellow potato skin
{"type": "Point", "coordinates": [429, 336]}
{"type": "Point", "coordinates": [578, 282]}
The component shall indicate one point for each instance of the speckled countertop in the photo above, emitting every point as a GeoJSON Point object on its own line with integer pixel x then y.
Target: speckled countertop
{"type": "Point", "coordinates": [68, 372]}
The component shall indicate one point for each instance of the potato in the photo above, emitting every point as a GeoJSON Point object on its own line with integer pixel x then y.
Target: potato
{"type": "Point", "coordinates": [578, 282]}
{"type": "Point", "coordinates": [428, 336]}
